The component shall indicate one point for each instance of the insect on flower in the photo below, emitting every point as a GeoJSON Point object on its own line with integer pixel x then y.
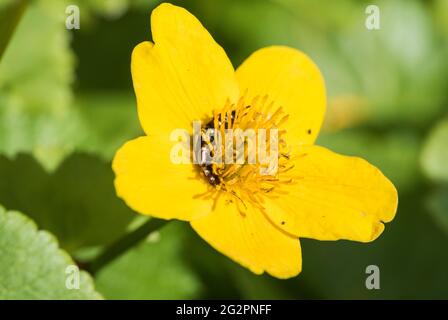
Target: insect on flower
{"type": "Point", "coordinates": [255, 219]}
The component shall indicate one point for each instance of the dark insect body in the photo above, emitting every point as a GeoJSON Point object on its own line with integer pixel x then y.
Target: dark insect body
{"type": "Point", "coordinates": [205, 163]}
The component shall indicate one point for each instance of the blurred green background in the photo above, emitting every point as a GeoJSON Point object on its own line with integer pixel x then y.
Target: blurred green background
{"type": "Point", "coordinates": [67, 103]}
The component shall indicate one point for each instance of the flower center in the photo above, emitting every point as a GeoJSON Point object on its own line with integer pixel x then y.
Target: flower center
{"type": "Point", "coordinates": [244, 152]}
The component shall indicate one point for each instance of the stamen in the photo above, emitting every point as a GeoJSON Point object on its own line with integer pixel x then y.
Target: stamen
{"type": "Point", "coordinates": [245, 183]}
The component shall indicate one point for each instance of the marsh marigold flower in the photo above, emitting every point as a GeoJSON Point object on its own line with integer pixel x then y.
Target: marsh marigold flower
{"type": "Point", "coordinates": [253, 218]}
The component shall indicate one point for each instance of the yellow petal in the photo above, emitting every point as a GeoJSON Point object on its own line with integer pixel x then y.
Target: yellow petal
{"type": "Point", "coordinates": [148, 181]}
{"type": "Point", "coordinates": [183, 76]}
{"type": "Point", "coordinates": [334, 197]}
{"type": "Point", "coordinates": [291, 80]}
{"type": "Point", "coordinates": [250, 240]}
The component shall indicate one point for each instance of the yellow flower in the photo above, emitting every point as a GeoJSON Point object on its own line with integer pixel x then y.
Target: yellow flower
{"type": "Point", "coordinates": [254, 219]}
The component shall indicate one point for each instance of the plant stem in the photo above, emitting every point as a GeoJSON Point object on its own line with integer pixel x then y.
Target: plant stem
{"type": "Point", "coordinates": [9, 19]}
{"type": "Point", "coordinates": [126, 242]}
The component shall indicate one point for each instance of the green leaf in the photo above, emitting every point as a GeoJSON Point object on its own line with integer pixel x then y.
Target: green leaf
{"type": "Point", "coordinates": [32, 266]}
{"type": "Point", "coordinates": [5, 3]}
{"type": "Point", "coordinates": [38, 114]}
{"type": "Point", "coordinates": [152, 270]}
{"type": "Point", "coordinates": [91, 11]}
{"type": "Point", "coordinates": [77, 202]}
{"type": "Point", "coordinates": [440, 12]}
{"type": "Point", "coordinates": [435, 153]}
{"type": "Point", "coordinates": [438, 207]}
{"type": "Point", "coordinates": [10, 15]}
{"type": "Point", "coordinates": [35, 77]}
{"type": "Point", "coordinates": [372, 63]}
{"type": "Point", "coordinates": [111, 8]}
{"type": "Point", "coordinates": [396, 88]}
{"type": "Point", "coordinates": [109, 120]}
